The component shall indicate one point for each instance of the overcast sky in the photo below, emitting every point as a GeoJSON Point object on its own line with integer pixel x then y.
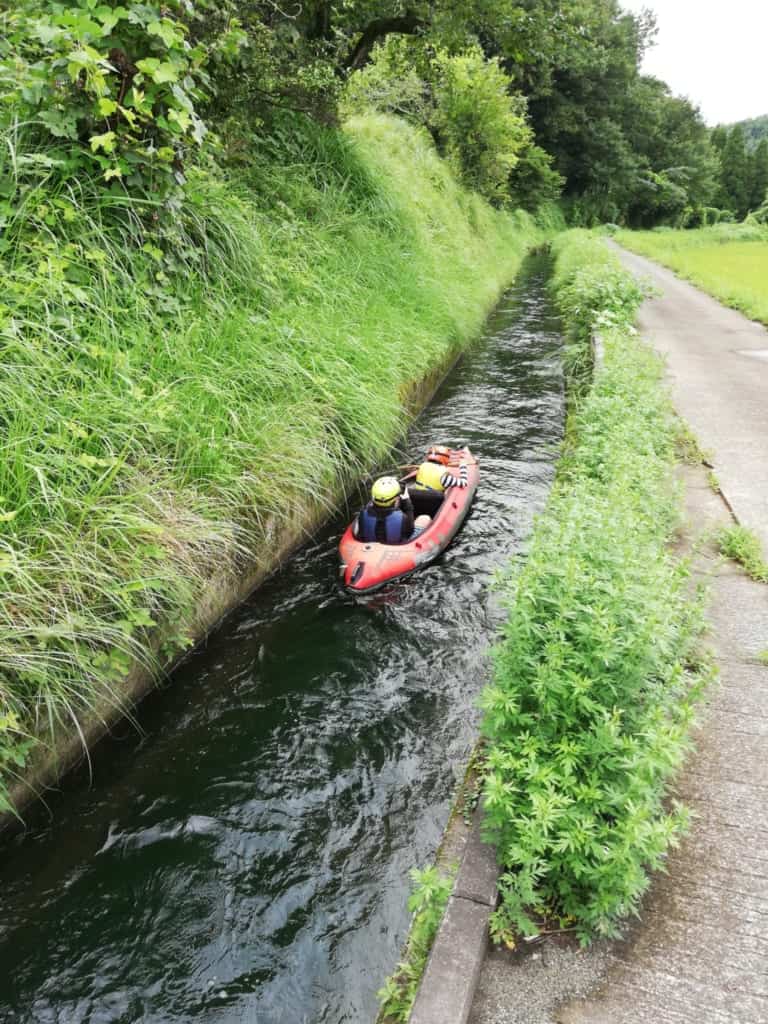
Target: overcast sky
{"type": "Point", "coordinates": [712, 51]}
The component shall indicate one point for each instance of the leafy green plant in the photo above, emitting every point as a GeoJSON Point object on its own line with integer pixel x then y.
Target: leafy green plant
{"type": "Point", "coordinates": [594, 684]}
{"type": "Point", "coordinates": [111, 89]}
{"type": "Point", "coordinates": [480, 127]}
{"type": "Point", "coordinates": [15, 746]}
{"type": "Point", "coordinates": [427, 903]}
{"type": "Point", "coordinates": [743, 546]}
{"type": "Point", "coordinates": [465, 101]}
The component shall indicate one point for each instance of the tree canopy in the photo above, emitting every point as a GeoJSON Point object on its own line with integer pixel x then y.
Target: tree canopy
{"type": "Point", "coordinates": [525, 97]}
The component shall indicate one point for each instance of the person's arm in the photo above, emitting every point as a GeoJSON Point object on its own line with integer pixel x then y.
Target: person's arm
{"type": "Point", "coordinates": [462, 480]}
{"type": "Point", "coordinates": [406, 507]}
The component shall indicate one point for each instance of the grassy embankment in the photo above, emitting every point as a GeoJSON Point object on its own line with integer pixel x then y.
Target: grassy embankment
{"type": "Point", "coordinates": [729, 261]}
{"type": "Point", "coordinates": [168, 414]}
{"type": "Point", "coordinates": [594, 681]}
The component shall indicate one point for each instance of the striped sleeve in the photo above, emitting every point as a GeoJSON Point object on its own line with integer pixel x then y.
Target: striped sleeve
{"type": "Point", "coordinates": [449, 480]}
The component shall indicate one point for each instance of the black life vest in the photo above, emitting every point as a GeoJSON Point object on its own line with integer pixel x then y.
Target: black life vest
{"type": "Point", "coordinates": [382, 525]}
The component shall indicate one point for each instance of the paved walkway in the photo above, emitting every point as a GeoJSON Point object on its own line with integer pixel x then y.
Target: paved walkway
{"type": "Point", "coordinates": [718, 368]}
{"type": "Point", "coordinates": [700, 951]}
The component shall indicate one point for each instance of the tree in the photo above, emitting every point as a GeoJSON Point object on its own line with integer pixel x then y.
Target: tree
{"type": "Point", "coordinates": [759, 191]}
{"type": "Point", "coordinates": [670, 136]}
{"type": "Point", "coordinates": [735, 178]}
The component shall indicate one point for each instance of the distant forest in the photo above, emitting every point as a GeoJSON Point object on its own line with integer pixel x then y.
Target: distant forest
{"type": "Point", "coordinates": [755, 129]}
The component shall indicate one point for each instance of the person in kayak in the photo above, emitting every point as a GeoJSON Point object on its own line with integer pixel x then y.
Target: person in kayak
{"type": "Point", "coordinates": [388, 517]}
{"type": "Point", "coordinates": [433, 479]}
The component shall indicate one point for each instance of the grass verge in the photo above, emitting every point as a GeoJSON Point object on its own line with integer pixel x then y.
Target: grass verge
{"type": "Point", "coordinates": [169, 405]}
{"type": "Point", "coordinates": [594, 682]}
{"type": "Point", "coordinates": [743, 546]}
{"type": "Point", "coordinates": [727, 261]}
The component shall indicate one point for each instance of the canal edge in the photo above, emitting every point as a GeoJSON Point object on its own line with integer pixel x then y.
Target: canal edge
{"type": "Point", "coordinates": [448, 985]}
{"type": "Point", "coordinates": [447, 989]}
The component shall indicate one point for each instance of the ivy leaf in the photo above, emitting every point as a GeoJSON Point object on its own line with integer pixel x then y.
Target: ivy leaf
{"type": "Point", "coordinates": [46, 32]}
{"type": "Point", "coordinates": [106, 141]}
{"type": "Point", "coordinates": [59, 124]}
{"type": "Point", "coordinates": [106, 106]}
{"type": "Point", "coordinates": [129, 116]}
{"type": "Point", "coordinates": [167, 72]}
{"type": "Point", "coordinates": [166, 30]}
{"type": "Point", "coordinates": [109, 17]}
{"type": "Point", "coordinates": [148, 65]}
{"type": "Point", "coordinates": [182, 99]}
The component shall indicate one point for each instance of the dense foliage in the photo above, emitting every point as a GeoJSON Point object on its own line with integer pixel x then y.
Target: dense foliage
{"type": "Point", "coordinates": [593, 691]}
{"type": "Point", "coordinates": [464, 101]}
{"type": "Point", "coordinates": [743, 172]}
{"type": "Point", "coordinates": [755, 129]}
{"type": "Point", "coordinates": [527, 98]}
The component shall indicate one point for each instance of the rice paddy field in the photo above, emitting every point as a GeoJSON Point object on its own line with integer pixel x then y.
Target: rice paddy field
{"type": "Point", "coordinates": [729, 262]}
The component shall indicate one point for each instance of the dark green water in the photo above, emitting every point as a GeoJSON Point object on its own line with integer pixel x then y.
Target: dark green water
{"type": "Point", "coordinates": [246, 860]}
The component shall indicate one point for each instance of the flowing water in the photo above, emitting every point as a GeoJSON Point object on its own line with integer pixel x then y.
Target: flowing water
{"type": "Point", "coordinates": [246, 859]}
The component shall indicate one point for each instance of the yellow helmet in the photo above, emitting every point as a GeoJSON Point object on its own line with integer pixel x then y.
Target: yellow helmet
{"type": "Point", "coordinates": [385, 491]}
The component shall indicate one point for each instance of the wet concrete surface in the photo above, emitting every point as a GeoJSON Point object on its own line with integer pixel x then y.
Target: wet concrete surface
{"type": "Point", "coordinates": [699, 951]}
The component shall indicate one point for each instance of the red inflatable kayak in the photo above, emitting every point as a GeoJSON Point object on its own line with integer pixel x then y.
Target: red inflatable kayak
{"type": "Point", "coordinates": [365, 567]}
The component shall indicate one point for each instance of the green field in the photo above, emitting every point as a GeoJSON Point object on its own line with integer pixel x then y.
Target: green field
{"type": "Point", "coordinates": [728, 261]}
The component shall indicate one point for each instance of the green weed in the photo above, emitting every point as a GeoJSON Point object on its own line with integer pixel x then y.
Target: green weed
{"type": "Point", "coordinates": [593, 693]}
{"type": "Point", "coordinates": [743, 546]}
{"type": "Point", "coordinates": [689, 450]}
{"type": "Point", "coordinates": [427, 904]}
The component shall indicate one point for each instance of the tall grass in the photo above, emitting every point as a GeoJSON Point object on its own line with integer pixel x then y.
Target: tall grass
{"type": "Point", "coordinates": [593, 689]}
{"type": "Point", "coordinates": [166, 409]}
{"type": "Point", "coordinates": [730, 261]}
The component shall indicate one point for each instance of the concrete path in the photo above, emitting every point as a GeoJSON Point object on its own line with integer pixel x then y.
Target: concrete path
{"type": "Point", "coordinates": [699, 953]}
{"type": "Point", "coordinates": [718, 368]}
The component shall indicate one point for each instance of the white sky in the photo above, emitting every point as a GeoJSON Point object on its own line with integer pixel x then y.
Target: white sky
{"type": "Point", "coordinates": [715, 52]}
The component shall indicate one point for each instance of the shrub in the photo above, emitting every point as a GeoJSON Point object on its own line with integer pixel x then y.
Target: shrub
{"type": "Point", "coordinates": [481, 128]}
{"type": "Point", "coordinates": [591, 697]}
{"type": "Point", "coordinates": [110, 90]}
{"type": "Point", "coordinates": [465, 102]}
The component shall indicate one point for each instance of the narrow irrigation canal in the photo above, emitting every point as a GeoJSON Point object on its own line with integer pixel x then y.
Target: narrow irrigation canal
{"type": "Point", "coordinates": [247, 859]}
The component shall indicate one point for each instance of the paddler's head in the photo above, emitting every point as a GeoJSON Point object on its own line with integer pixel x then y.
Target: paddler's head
{"type": "Point", "coordinates": [385, 492]}
{"type": "Point", "coordinates": [439, 453]}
